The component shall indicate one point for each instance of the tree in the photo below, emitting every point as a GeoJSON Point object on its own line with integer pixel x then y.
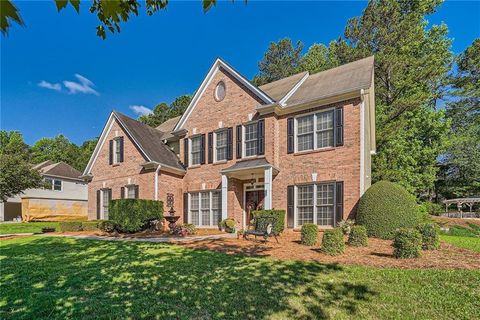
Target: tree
{"type": "Point", "coordinates": [11, 142]}
{"type": "Point", "coordinates": [179, 105]}
{"type": "Point", "coordinates": [162, 112]}
{"type": "Point", "coordinates": [281, 60]}
{"type": "Point", "coordinates": [16, 175]}
{"type": "Point", "coordinates": [460, 176]}
{"type": "Point", "coordinates": [84, 153]}
{"type": "Point", "coordinates": [56, 149]}
{"type": "Point", "coordinates": [109, 13]}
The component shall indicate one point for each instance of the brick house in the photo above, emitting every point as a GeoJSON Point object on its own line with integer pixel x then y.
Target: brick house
{"type": "Point", "coordinates": [302, 143]}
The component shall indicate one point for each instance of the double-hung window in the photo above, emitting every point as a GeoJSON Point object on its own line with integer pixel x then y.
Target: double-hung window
{"type": "Point", "coordinates": [315, 204]}
{"type": "Point", "coordinates": [106, 197]}
{"type": "Point", "coordinates": [205, 208]}
{"type": "Point", "coordinates": [130, 191]}
{"type": "Point", "coordinates": [196, 150]}
{"type": "Point", "coordinates": [53, 184]}
{"type": "Point", "coordinates": [315, 131]}
{"type": "Point", "coordinates": [251, 139]}
{"type": "Point", "coordinates": [221, 145]}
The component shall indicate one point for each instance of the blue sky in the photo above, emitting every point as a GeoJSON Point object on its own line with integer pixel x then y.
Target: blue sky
{"type": "Point", "coordinates": [57, 76]}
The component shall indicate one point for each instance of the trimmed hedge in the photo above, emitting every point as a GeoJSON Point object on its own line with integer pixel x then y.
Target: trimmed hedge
{"type": "Point", "coordinates": [332, 242]}
{"type": "Point", "coordinates": [385, 207]}
{"type": "Point", "coordinates": [358, 236]}
{"type": "Point", "coordinates": [69, 226]}
{"type": "Point", "coordinates": [277, 215]}
{"type": "Point", "coordinates": [407, 243]}
{"type": "Point", "coordinates": [106, 225]}
{"type": "Point", "coordinates": [430, 238]}
{"type": "Point", "coordinates": [133, 215]}
{"type": "Point", "coordinates": [90, 225]}
{"type": "Point", "coordinates": [309, 234]}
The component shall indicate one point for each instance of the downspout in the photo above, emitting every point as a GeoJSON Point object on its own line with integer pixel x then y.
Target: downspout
{"type": "Point", "coordinates": [156, 181]}
{"type": "Point", "coordinates": [362, 142]}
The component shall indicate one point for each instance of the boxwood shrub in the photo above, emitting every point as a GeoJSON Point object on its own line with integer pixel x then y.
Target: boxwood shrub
{"type": "Point", "coordinates": [90, 225]}
{"type": "Point", "coordinates": [277, 215]}
{"type": "Point", "coordinates": [385, 207]}
{"type": "Point", "coordinates": [430, 238]}
{"type": "Point", "coordinates": [106, 225]}
{"type": "Point", "coordinates": [133, 215]}
{"type": "Point", "coordinates": [332, 242]}
{"type": "Point", "coordinates": [407, 243]}
{"type": "Point", "coordinates": [358, 236]}
{"type": "Point", "coordinates": [309, 234]}
{"type": "Point", "coordinates": [69, 226]}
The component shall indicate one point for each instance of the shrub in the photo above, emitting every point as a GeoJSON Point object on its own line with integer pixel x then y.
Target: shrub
{"type": "Point", "coordinates": [133, 215]}
{"type": "Point", "coordinates": [106, 225]}
{"type": "Point", "coordinates": [407, 243]}
{"type": "Point", "coordinates": [431, 208]}
{"type": "Point", "coordinates": [90, 225]}
{"type": "Point", "coordinates": [68, 226]}
{"type": "Point", "coordinates": [430, 239]}
{"type": "Point", "coordinates": [278, 217]}
{"type": "Point", "coordinates": [309, 234]}
{"type": "Point", "coordinates": [332, 242]}
{"type": "Point", "coordinates": [358, 236]}
{"type": "Point", "coordinates": [227, 224]}
{"type": "Point", "coordinates": [385, 207]}
{"type": "Point", "coordinates": [191, 229]}
{"type": "Point", "coordinates": [183, 230]}
{"type": "Point", "coordinates": [346, 226]}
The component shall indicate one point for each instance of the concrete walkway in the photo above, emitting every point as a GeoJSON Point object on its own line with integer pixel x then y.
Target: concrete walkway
{"type": "Point", "coordinates": [157, 239]}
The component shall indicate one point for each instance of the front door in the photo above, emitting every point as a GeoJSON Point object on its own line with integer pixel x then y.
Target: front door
{"type": "Point", "coordinates": [253, 201]}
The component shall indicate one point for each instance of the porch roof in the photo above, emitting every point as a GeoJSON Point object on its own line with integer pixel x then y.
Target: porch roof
{"type": "Point", "coordinates": [249, 165]}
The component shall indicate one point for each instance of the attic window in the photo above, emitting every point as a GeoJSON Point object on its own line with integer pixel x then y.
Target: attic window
{"type": "Point", "coordinates": [220, 91]}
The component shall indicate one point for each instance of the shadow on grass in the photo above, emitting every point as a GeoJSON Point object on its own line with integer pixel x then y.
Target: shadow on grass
{"type": "Point", "coordinates": [67, 278]}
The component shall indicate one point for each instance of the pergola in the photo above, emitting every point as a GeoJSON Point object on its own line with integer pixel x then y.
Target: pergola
{"type": "Point", "coordinates": [470, 202]}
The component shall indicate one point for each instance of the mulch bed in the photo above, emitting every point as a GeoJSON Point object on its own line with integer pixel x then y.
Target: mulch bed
{"type": "Point", "coordinates": [379, 253]}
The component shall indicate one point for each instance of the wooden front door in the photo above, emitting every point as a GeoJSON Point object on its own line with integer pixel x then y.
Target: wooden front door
{"type": "Point", "coordinates": [253, 201]}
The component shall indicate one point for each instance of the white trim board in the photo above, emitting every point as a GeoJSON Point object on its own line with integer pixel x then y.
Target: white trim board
{"type": "Point", "coordinates": [206, 82]}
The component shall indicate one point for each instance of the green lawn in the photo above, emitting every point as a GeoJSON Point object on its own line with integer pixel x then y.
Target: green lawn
{"type": "Point", "coordinates": [471, 243]}
{"type": "Point", "coordinates": [58, 278]}
{"type": "Point", "coordinates": [26, 227]}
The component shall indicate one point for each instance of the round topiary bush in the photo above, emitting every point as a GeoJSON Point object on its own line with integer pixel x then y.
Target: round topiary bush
{"type": "Point", "coordinates": [309, 234]}
{"type": "Point", "coordinates": [358, 236]}
{"type": "Point", "coordinates": [430, 238]}
{"type": "Point", "coordinates": [407, 243]}
{"type": "Point", "coordinates": [385, 207]}
{"type": "Point", "coordinates": [332, 242]}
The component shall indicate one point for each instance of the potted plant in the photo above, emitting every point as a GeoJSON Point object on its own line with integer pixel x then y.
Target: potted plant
{"type": "Point", "coordinates": [228, 225]}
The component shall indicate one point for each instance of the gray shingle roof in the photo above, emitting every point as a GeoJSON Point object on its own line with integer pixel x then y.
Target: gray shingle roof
{"type": "Point", "coordinates": [150, 141]}
{"type": "Point", "coordinates": [247, 164]}
{"type": "Point", "coordinates": [168, 126]}
{"type": "Point", "coordinates": [59, 169]}
{"type": "Point", "coordinates": [278, 89]}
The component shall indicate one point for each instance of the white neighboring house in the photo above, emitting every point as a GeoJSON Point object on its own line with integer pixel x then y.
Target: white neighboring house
{"type": "Point", "coordinates": [65, 196]}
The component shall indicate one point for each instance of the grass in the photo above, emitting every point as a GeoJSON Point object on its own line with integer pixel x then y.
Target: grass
{"type": "Point", "coordinates": [61, 278]}
{"type": "Point", "coordinates": [471, 243]}
{"type": "Point", "coordinates": [26, 227]}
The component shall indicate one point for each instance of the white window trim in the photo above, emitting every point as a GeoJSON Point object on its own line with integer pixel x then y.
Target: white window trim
{"type": "Point", "coordinates": [214, 142]}
{"type": "Point", "coordinates": [190, 151]}
{"type": "Point", "coordinates": [125, 190]}
{"type": "Point", "coordinates": [116, 142]}
{"type": "Point", "coordinates": [314, 113]}
{"type": "Point", "coordinates": [315, 219]}
{"type": "Point", "coordinates": [210, 199]}
{"type": "Point", "coordinates": [52, 188]}
{"type": "Point", "coordinates": [244, 142]}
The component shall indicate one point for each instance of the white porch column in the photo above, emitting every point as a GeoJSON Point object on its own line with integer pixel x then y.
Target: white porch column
{"type": "Point", "coordinates": [224, 196]}
{"type": "Point", "coordinates": [268, 188]}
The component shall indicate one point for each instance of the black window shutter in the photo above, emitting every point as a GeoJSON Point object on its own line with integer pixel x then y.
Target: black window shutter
{"type": "Point", "coordinates": [185, 207]}
{"type": "Point", "coordinates": [185, 152]}
{"type": "Point", "coordinates": [239, 142]}
{"type": "Point", "coordinates": [136, 191]}
{"type": "Point", "coordinates": [121, 149]}
{"type": "Point", "coordinates": [290, 206]}
{"type": "Point", "coordinates": [338, 201]}
{"type": "Point", "coordinates": [230, 143]}
{"type": "Point", "coordinates": [202, 149]}
{"type": "Point", "coordinates": [210, 147]}
{"type": "Point", "coordinates": [261, 137]}
{"type": "Point", "coordinates": [122, 192]}
{"type": "Point", "coordinates": [290, 135]}
{"type": "Point", "coordinates": [98, 204]}
{"type": "Point", "coordinates": [339, 127]}
{"type": "Point", "coordinates": [110, 152]}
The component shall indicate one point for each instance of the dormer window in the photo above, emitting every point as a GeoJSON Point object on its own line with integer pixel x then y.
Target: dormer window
{"type": "Point", "coordinates": [220, 91]}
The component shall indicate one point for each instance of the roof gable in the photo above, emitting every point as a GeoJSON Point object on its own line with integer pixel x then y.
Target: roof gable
{"type": "Point", "coordinates": [60, 169]}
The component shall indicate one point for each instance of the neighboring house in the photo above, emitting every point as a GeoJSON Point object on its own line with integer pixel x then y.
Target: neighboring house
{"type": "Point", "coordinates": [303, 144]}
{"type": "Point", "coordinates": [64, 196]}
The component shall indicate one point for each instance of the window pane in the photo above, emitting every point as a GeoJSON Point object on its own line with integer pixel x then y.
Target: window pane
{"type": "Point", "coordinates": [305, 215]}
{"type": "Point", "coordinates": [221, 145]}
{"type": "Point", "coordinates": [305, 124]}
{"type": "Point", "coordinates": [304, 204]}
{"type": "Point", "coordinates": [105, 202]}
{"type": "Point", "coordinates": [216, 207]}
{"type": "Point", "coordinates": [251, 139]}
{"type": "Point", "coordinates": [48, 184]}
{"type": "Point", "coordinates": [325, 194]}
{"type": "Point", "coordinates": [305, 142]}
{"type": "Point", "coordinates": [131, 192]}
{"type": "Point", "coordinates": [325, 204]}
{"type": "Point", "coordinates": [325, 139]}
{"type": "Point", "coordinates": [57, 185]}
{"type": "Point", "coordinates": [325, 215]}
{"type": "Point", "coordinates": [195, 150]}
{"type": "Point", "coordinates": [305, 195]}
{"type": "Point", "coordinates": [194, 205]}
{"type": "Point", "coordinates": [325, 120]}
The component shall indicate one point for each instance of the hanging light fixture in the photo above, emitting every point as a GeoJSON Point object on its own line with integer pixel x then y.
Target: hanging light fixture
{"type": "Point", "coordinates": [253, 180]}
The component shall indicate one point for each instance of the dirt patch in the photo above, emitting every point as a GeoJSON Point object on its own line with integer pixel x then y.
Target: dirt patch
{"type": "Point", "coordinates": [379, 253]}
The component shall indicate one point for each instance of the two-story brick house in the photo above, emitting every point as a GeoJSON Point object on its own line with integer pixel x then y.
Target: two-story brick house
{"type": "Point", "coordinates": [302, 143]}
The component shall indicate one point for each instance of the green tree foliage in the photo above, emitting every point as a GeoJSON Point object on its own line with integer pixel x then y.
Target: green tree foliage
{"type": "Point", "coordinates": [16, 175]}
{"type": "Point", "coordinates": [11, 142]}
{"type": "Point", "coordinates": [162, 112]}
{"type": "Point", "coordinates": [109, 13]}
{"type": "Point", "coordinates": [460, 176]}
{"type": "Point", "coordinates": [84, 153]}
{"type": "Point", "coordinates": [56, 149]}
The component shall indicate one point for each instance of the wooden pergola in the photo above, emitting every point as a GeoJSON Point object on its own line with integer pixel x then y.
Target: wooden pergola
{"type": "Point", "coordinates": [470, 202]}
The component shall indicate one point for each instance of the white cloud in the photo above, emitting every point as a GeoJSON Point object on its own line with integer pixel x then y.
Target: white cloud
{"type": "Point", "coordinates": [141, 110]}
{"type": "Point", "coordinates": [83, 86]}
{"type": "Point", "coordinates": [51, 86]}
